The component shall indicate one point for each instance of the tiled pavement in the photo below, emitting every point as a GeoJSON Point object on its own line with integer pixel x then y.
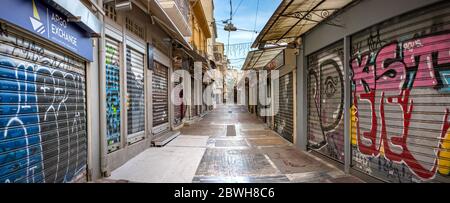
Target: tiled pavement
{"type": "Point", "coordinates": [207, 152]}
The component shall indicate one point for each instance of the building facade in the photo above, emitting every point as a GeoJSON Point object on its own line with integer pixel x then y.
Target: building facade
{"type": "Point", "coordinates": [80, 97]}
{"type": "Point", "coordinates": [372, 97]}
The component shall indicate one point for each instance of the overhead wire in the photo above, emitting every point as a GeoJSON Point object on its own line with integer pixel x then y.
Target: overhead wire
{"type": "Point", "coordinates": [256, 19]}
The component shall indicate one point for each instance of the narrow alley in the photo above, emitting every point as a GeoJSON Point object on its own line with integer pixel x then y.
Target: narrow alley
{"type": "Point", "coordinates": [225, 91]}
{"type": "Point", "coordinates": [228, 145]}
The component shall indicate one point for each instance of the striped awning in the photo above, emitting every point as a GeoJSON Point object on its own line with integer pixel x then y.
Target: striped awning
{"type": "Point", "coordinates": [259, 59]}
{"type": "Point", "coordinates": [295, 17]}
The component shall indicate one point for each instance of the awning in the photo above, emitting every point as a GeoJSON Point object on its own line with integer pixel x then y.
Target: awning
{"type": "Point", "coordinates": [295, 17]}
{"type": "Point", "coordinates": [260, 58]}
{"type": "Point", "coordinates": [162, 19]}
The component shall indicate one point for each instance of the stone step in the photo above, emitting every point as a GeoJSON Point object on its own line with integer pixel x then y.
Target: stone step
{"type": "Point", "coordinates": [162, 140]}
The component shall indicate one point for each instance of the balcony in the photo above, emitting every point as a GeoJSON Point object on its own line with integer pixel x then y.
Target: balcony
{"type": "Point", "coordinates": [178, 12]}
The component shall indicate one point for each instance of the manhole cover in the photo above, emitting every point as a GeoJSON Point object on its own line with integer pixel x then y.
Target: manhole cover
{"type": "Point", "coordinates": [231, 130]}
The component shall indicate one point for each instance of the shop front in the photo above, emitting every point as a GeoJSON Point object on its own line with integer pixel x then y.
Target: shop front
{"type": "Point", "coordinates": [43, 94]}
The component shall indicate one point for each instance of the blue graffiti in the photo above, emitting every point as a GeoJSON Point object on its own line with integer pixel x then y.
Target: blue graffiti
{"type": "Point", "coordinates": [42, 125]}
{"type": "Point", "coordinates": [20, 141]}
{"type": "Point", "coordinates": [113, 104]}
{"type": "Point", "coordinates": [445, 76]}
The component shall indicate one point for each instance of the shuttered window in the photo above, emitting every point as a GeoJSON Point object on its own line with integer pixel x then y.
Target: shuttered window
{"type": "Point", "coordinates": [113, 106]}
{"type": "Point", "coordinates": [160, 95]}
{"type": "Point", "coordinates": [401, 97]}
{"type": "Point", "coordinates": [326, 102]}
{"type": "Point", "coordinates": [42, 111]}
{"type": "Point", "coordinates": [135, 94]}
{"type": "Point", "coordinates": [284, 119]}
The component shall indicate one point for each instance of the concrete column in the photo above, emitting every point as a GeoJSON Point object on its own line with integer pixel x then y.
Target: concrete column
{"type": "Point", "coordinates": [302, 104]}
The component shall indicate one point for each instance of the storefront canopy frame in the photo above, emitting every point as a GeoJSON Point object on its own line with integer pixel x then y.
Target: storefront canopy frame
{"type": "Point", "coordinates": [258, 59]}
{"type": "Point", "coordinates": [293, 18]}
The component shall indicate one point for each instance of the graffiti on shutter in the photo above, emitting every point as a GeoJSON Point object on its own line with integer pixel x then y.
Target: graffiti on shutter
{"type": "Point", "coordinates": [284, 123]}
{"type": "Point", "coordinates": [42, 112]}
{"type": "Point", "coordinates": [135, 94]}
{"type": "Point", "coordinates": [401, 97]}
{"type": "Point", "coordinates": [112, 94]}
{"type": "Point", "coordinates": [326, 102]}
{"type": "Point", "coordinates": [160, 95]}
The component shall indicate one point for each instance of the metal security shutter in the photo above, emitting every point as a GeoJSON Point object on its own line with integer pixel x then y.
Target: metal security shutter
{"type": "Point", "coordinates": [42, 112]}
{"type": "Point", "coordinates": [160, 96]}
{"type": "Point", "coordinates": [326, 102]}
{"type": "Point", "coordinates": [113, 107]}
{"type": "Point", "coordinates": [284, 119]}
{"type": "Point", "coordinates": [135, 95]}
{"type": "Point", "coordinates": [401, 97]}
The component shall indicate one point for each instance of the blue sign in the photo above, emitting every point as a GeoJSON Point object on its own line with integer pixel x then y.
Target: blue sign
{"type": "Point", "coordinates": [45, 21]}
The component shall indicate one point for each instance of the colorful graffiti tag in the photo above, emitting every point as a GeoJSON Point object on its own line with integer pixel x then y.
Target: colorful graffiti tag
{"type": "Point", "coordinates": [400, 112]}
{"type": "Point", "coordinates": [112, 95]}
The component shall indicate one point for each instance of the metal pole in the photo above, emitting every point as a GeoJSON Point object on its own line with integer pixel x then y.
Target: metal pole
{"type": "Point", "coordinates": [102, 109]}
{"type": "Point", "coordinates": [347, 101]}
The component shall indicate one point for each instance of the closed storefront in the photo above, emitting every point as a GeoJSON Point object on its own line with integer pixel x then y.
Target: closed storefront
{"type": "Point", "coordinates": [284, 119]}
{"type": "Point", "coordinates": [43, 87]}
{"type": "Point", "coordinates": [326, 102]}
{"type": "Point", "coordinates": [43, 111]}
{"type": "Point", "coordinates": [113, 106]}
{"type": "Point", "coordinates": [135, 95]}
{"type": "Point", "coordinates": [401, 97]}
{"type": "Point", "coordinates": [160, 98]}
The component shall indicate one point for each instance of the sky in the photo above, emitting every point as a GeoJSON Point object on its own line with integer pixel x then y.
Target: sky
{"type": "Point", "coordinates": [244, 17]}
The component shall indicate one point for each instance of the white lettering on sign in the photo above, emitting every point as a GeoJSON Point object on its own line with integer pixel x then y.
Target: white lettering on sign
{"type": "Point", "coordinates": [57, 28]}
{"type": "Point", "coordinates": [58, 20]}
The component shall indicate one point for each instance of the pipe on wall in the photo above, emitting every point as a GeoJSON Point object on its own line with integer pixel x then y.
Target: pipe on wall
{"type": "Point", "coordinates": [102, 109]}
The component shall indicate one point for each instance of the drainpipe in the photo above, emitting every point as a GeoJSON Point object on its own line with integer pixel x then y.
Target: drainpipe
{"type": "Point", "coordinates": [102, 113]}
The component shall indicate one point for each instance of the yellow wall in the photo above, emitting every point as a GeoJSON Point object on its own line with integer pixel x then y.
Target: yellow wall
{"type": "Point", "coordinates": [200, 29]}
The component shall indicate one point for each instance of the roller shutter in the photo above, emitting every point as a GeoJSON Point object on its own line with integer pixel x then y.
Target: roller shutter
{"type": "Point", "coordinates": [160, 96]}
{"type": "Point", "coordinates": [401, 97]}
{"type": "Point", "coordinates": [113, 106]}
{"type": "Point", "coordinates": [42, 112]}
{"type": "Point", "coordinates": [284, 119]}
{"type": "Point", "coordinates": [135, 95]}
{"type": "Point", "coordinates": [326, 102]}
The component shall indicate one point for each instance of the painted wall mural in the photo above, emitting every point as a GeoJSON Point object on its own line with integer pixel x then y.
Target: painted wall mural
{"type": "Point", "coordinates": [42, 113]}
{"type": "Point", "coordinates": [112, 94]}
{"type": "Point", "coordinates": [401, 105]}
{"type": "Point", "coordinates": [326, 102]}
